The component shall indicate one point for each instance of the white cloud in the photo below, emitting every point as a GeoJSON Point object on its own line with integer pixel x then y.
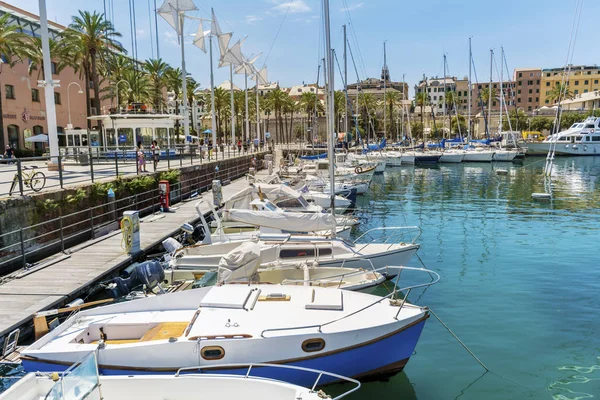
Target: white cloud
{"type": "Point", "coordinates": [294, 6]}
{"type": "Point", "coordinates": [353, 6]}
{"type": "Point", "coordinates": [251, 19]}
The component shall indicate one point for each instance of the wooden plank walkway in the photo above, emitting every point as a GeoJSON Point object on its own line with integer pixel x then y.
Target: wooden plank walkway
{"type": "Point", "coordinates": [51, 286]}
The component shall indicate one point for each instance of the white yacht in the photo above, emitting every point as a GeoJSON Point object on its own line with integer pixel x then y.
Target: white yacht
{"type": "Point", "coordinates": [581, 139]}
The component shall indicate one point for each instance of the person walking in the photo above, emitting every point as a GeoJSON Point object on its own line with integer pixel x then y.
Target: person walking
{"type": "Point", "coordinates": [141, 164]}
{"type": "Point", "coordinates": [9, 153]}
{"type": "Point", "coordinates": [155, 153]}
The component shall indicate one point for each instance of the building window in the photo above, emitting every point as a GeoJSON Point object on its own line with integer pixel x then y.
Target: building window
{"type": "Point", "coordinates": [54, 68]}
{"type": "Point", "coordinates": [585, 90]}
{"type": "Point", "coordinates": [576, 91]}
{"type": "Point", "coordinates": [595, 81]}
{"type": "Point", "coordinates": [529, 108]}
{"type": "Point", "coordinates": [56, 98]}
{"type": "Point", "coordinates": [10, 91]}
{"type": "Point", "coordinates": [529, 99]}
{"type": "Point", "coordinates": [530, 91]}
{"type": "Point", "coordinates": [547, 83]}
{"type": "Point", "coordinates": [537, 99]}
{"type": "Point", "coordinates": [519, 83]}
{"type": "Point", "coordinates": [576, 83]}
{"type": "Point", "coordinates": [520, 75]}
{"type": "Point", "coordinates": [537, 82]}
{"type": "Point", "coordinates": [519, 91]}
{"type": "Point", "coordinates": [537, 90]}
{"type": "Point", "coordinates": [547, 102]}
{"type": "Point", "coordinates": [586, 82]}
{"type": "Point", "coordinates": [35, 95]}
{"type": "Point", "coordinates": [13, 136]}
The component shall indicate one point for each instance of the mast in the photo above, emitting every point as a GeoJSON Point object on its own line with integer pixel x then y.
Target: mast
{"type": "Point", "coordinates": [212, 96]}
{"type": "Point", "coordinates": [257, 110]}
{"type": "Point", "coordinates": [232, 105]}
{"type": "Point", "coordinates": [247, 135]}
{"type": "Point", "coordinates": [330, 104]}
{"type": "Point", "coordinates": [490, 95]}
{"type": "Point", "coordinates": [315, 132]}
{"type": "Point", "coordinates": [156, 30]}
{"type": "Point", "coordinates": [403, 110]}
{"type": "Point", "coordinates": [186, 118]}
{"type": "Point", "coordinates": [326, 98]}
{"type": "Point", "coordinates": [501, 88]}
{"type": "Point", "coordinates": [444, 119]}
{"type": "Point", "coordinates": [384, 87]}
{"type": "Point", "coordinates": [469, 98]}
{"type": "Point", "coordinates": [345, 83]}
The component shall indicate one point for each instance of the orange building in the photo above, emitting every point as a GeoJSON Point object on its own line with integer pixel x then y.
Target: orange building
{"type": "Point", "coordinates": [23, 101]}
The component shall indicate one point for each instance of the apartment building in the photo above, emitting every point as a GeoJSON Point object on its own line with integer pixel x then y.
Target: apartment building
{"type": "Point", "coordinates": [581, 79]}
{"type": "Point", "coordinates": [528, 88]}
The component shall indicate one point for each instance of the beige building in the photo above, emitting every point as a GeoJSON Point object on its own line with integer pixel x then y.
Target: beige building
{"type": "Point", "coordinates": [582, 79]}
{"type": "Point", "coordinates": [528, 88]}
{"type": "Point", "coordinates": [374, 87]}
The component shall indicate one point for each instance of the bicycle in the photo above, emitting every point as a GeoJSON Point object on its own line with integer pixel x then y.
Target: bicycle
{"type": "Point", "coordinates": [36, 180]}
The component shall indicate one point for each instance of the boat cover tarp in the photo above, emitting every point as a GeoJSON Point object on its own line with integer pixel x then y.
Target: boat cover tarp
{"type": "Point", "coordinates": [376, 147]}
{"type": "Point", "coordinates": [286, 221]}
{"type": "Point", "coordinates": [274, 192]}
{"type": "Point", "coordinates": [315, 157]}
{"type": "Point", "coordinates": [240, 263]}
{"type": "Point", "coordinates": [482, 141]}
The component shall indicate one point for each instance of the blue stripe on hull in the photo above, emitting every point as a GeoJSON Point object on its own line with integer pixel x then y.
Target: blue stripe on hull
{"type": "Point", "coordinates": [360, 361]}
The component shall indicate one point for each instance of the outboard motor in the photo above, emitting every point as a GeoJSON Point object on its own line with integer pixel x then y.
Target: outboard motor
{"type": "Point", "coordinates": [191, 234]}
{"type": "Point", "coordinates": [149, 273]}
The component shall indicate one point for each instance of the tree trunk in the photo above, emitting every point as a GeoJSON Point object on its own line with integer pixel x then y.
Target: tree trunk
{"type": "Point", "coordinates": [96, 88]}
{"type": "Point", "coordinates": [291, 128]}
{"type": "Point", "coordinates": [87, 96]}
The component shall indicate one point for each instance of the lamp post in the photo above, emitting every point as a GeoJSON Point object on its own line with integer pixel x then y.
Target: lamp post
{"type": "Point", "coordinates": [69, 100]}
{"type": "Point", "coordinates": [117, 87]}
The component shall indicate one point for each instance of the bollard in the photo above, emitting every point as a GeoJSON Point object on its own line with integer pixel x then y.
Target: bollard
{"type": "Point", "coordinates": [112, 203]}
{"type": "Point", "coordinates": [91, 163]}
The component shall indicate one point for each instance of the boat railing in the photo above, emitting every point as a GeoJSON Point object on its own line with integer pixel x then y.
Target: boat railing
{"type": "Point", "coordinates": [389, 235]}
{"type": "Point", "coordinates": [341, 277]}
{"type": "Point", "coordinates": [250, 367]}
{"type": "Point", "coordinates": [391, 296]}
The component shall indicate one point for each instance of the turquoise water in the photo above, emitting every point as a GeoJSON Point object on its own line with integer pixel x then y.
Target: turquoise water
{"type": "Point", "coordinates": [520, 279]}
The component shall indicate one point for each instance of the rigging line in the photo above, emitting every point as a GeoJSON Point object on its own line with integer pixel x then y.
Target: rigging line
{"type": "Point", "coordinates": [151, 31]}
{"type": "Point", "coordinates": [354, 36]}
{"type": "Point", "coordinates": [502, 97]}
{"type": "Point", "coordinates": [135, 61]}
{"type": "Point", "coordinates": [278, 31]}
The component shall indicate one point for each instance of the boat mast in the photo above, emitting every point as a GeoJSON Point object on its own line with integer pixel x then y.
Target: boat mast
{"type": "Point", "coordinates": [330, 104]}
{"type": "Point", "coordinates": [490, 95]}
{"type": "Point", "coordinates": [232, 105]}
{"type": "Point", "coordinates": [469, 98]}
{"type": "Point", "coordinates": [444, 119]}
{"type": "Point", "coordinates": [345, 83]}
{"type": "Point", "coordinates": [186, 118]}
{"type": "Point", "coordinates": [501, 89]}
{"type": "Point", "coordinates": [384, 89]}
{"type": "Point", "coordinates": [212, 96]}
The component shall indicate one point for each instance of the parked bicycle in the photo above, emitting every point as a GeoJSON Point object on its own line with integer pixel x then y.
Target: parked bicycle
{"type": "Point", "coordinates": [36, 180]}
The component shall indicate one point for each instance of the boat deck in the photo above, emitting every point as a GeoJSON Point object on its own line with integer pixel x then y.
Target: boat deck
{"type": "Point", "coordinates": [66, 277]}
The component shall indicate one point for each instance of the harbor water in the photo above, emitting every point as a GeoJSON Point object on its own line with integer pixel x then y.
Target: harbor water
{"type": "Point", "coordinates": [520, 279]}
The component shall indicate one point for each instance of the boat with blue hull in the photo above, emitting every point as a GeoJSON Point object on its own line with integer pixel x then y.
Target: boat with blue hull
{"type": "Point", "coordinates": [349, 333]}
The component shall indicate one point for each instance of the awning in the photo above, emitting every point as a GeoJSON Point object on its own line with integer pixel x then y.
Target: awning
{"type": "Point", "coordinates": [41, 138]}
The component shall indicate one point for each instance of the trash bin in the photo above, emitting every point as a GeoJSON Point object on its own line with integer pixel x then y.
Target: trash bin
{"type": "Point", "coordinates": [84, 159]}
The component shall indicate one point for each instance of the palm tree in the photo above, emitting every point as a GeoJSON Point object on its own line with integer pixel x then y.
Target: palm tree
{"type": "Point", "coordinates": [559, 92]}
{"type": "Point", "coordinates": [221, 108]}
{"type": "Point", "coordinates": [139, 89]}
{"type": "Point", "coordinates": [339, 101]}
{"type": "Point", "coordinates": [13, 45]}
{"type": "Point", "coordinates": [277, 99]}
{"type": "Point", "coordinates": [90, 39]}
{"type": "Point", "coordinates": [265, 104]}
{"type": "Point", "coordinates": [392, 99]}
{"type": "Point", "coordinates": [239, 102]}
{"type": "Point", "coordinates": [450, 100]}
{"type": "Point", "coordinates": [484, 96]}
{"type": "Point", "coordinates": [58, 52]}
{"type": "Point", "coordinates": [289, 107]}
{"type": "Point", "coordinates": [422, 101]}
{"type": "Point", "coordinates": [367, 104]}
{"type": "Point", "coordinates": [156, 70]}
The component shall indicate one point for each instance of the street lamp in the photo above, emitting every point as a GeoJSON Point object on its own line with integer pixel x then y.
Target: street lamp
{"type": "Point", "coordinates": [69, 100]}
{"type": "Point", "coordinates": [117, 87]}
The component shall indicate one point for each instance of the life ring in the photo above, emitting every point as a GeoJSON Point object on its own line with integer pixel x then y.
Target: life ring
{"type": "Point", "coordinates": [358, 170]}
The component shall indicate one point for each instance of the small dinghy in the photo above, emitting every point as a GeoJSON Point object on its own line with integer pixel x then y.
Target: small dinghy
{"type": "Point", "coordinates": [82, 381]}
{"type": "Point", "coordinates": [303, 326]}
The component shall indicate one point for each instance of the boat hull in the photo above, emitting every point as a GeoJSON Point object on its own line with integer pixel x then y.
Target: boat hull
{"type": "Point", "coordinates": [478, 156]}
{"type": "Point", "coordinates": [384, 355]}
{"type": "Point", "coordinates": [426, 159]}
{"type": "Point", "coordinates": [564, 149]}
{"type": "Point", "coordinates": [452, 157]}
{"type": "Point", "coordinates": [506, 156]}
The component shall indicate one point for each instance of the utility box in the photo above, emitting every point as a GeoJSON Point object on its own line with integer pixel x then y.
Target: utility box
{"type": "Point", "coordinates": [217, 193]}
{"type": "Point", "coordinates": [164, 193]}
{"type": "Point", "coordinates": [130, 225]}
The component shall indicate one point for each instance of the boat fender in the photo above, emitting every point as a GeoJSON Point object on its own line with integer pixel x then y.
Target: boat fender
{"type": "Point", "coordinates": [585, 148]}
{"type": "Point", "coordinates": [358, 169]}
{"type": "Point", "coordinates": [323, 395]}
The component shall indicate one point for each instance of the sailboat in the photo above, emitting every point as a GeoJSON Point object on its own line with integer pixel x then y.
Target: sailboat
{"type": "Point", "coordinates": [503, 154]}
{"type": "Point", "coordinates": [449, 155]}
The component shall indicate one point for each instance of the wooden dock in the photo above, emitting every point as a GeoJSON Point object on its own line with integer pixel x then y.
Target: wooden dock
{"type": "Point", "coordinates": [71, 275]}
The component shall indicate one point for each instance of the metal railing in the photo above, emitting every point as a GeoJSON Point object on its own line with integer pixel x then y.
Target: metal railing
{"type": "Point", "coordinates": [389, 235]}
{"type": "Point", "coordinates": [390, 296]}
{"type": "Point", "coordinates": [32, 243]}
{"type": "Point", "coordinates": [249, 367]}
{"type": "Point", "coordinates": [76, 165]}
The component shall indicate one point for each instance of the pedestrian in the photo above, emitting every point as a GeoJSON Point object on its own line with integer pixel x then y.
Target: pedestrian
{"type": "Point", "coordinates": [9, 153]}
{"type": "Point", "coordinates": [239, 146]}
{"type": "Point", "coordinates": [155, 153]}
{"type": "Point", "coordinates": [141, 164]}
{"type": "Point", "coordinates": [210, 147]}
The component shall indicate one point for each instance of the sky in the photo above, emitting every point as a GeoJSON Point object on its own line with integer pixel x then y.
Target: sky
{"type": "Point", "coordinates": [289, 34]}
